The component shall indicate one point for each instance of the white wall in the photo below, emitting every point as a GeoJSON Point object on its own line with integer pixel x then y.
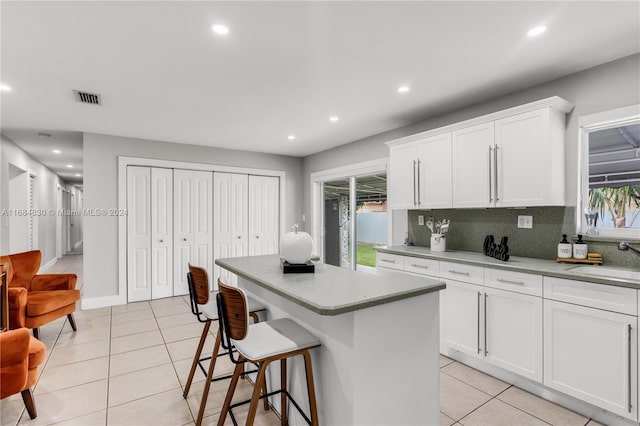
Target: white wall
{"type": "Point", "coordinates": [46, 182]}
{"type": "Point", "coordinates": [101, 192]}
{"type": "Point", "coordinates": [605, 87]}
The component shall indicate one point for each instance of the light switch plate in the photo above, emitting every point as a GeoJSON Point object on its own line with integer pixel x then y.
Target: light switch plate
{"type": "Point", "coordinates": [421, 220]}
{"type": "Point", "coordinates": [525, 222]}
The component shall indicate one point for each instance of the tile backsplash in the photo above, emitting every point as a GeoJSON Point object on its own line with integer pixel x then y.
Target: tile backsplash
{"type": "Point", "coordinates": [469, 227]}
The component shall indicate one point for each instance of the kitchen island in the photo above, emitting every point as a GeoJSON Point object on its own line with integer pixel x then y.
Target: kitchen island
{"type": "Point", "coordinates": [379, 359]}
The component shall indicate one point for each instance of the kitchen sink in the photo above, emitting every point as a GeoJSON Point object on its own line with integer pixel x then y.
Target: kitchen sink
{"type": "Point", "coordinates": [605, 272]}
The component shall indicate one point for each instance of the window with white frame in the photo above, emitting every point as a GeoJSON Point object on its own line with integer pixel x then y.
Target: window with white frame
{"type": "Point", "coordinates": [610, 174]}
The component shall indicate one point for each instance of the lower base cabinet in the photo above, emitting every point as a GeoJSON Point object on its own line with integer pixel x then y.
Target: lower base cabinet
{"type": "Point", "coordinates": [513, 332]}
{"type": "Point", "coordinates": [461, 318]}
{"type": "Point", "coordinates": [591, 354]}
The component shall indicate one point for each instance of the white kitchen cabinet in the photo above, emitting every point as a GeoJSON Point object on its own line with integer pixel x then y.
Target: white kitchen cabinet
{"type": "Point", "coordinates": [512, 329]}
{"type": "Point", "coordinates": [529, 154]}
{"type": "Point", "coordinates": [403, 186]}
{"type": "Point", "coordinates": [421, 173]}
{"type": "Point", "coordinates": [461, 319]}
{"type": "Point", "coordinates": [390, 261]}
{"type": "Point", "coordinates": [592, 354]}
{"type": "Point", "coordinates": [473, 156]}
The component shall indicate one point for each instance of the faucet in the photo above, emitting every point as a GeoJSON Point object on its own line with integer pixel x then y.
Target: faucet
{"type": "Point", "coordinates": [624, 246]}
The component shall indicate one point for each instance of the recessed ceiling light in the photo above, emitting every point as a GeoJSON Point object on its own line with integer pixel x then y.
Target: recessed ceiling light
{"type": "Point", "coordinates": [57, 151]}
{"type": "Point", "coordinates": [70, 166]}
{"type": "Point", "coordinates": [403, 89]}
{"type": "Point", "coordinates": [220, 29]}
{"type": "Point", "coordinates": [291, 137]}
{"type": "Point", "coordinates": [333, 118]}
{"type": "Point", "coordinates": [5, 88]}
{"type": "Point", "coordinates": [536, 31]}
{"type": "Point", "coordinates": [78, 175]}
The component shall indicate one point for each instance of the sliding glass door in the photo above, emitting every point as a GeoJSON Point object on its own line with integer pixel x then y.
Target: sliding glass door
{"type": "Point", "coordinates": [354, 219]}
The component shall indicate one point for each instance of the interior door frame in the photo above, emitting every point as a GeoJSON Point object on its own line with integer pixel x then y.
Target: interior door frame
{"type": "Point", "coordinates": [317, 194]}
{"type": "Point", "coordinates": [123, 162]}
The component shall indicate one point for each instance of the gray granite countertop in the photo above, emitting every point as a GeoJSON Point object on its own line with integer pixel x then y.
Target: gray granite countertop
{"type": "Point", "coordinates": [330, 290]}
{"type": "Point", "coordinates": [549, 268]}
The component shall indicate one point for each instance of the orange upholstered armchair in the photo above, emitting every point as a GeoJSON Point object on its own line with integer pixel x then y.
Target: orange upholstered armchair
{"type": "Point", "coordinates": [35, 300]}
{"type": "Point", "coordinates": [20, 356]}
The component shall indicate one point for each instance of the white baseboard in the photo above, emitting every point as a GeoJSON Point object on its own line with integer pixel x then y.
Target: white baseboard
{"type": "Point", "coordinates": [47, 265]}
{"type": "Point", "coordinates": [102, 302]}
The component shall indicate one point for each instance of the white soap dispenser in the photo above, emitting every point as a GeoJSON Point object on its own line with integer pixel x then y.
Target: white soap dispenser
{"type": "Point", "coordinates": [564, 248]}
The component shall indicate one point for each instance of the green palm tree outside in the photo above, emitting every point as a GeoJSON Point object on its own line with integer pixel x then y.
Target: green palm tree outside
{"type": "Point", "coordinates": [617, 201]}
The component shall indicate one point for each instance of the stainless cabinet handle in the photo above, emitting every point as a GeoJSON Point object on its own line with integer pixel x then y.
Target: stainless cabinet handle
{"type": "Point", "coordinates": [486, 350]}
{"type": "Point", "coordinates": [419, 201]}
{"type": "Point", "coordinates": [495, 171]}
{"type": "Point", "coordinates": [501, 280]}
{"type": "Point", "coordinates": [387, 260]}
{"type": "Point", "coordinates": [479, 296]}
{"type": "Point", "coordinates": [490, 184]}
{"type": "Point", "coordinates": [629, 364]}
{"type": "Point", "coordinates": [466, 274]}
{"type": "Point", "coordinates": [419, 266]}
{"type": "Point", "coordinates": [414, 183]}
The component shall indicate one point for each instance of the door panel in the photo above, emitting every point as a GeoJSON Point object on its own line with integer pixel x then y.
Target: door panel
{"type": "Point", "coordinates": [162, 235]}
{"type": "Point", "coordinates": [264, 204]}
{"type": "Point", "coordinates": [138, 233]}
{"type": "Point", "coordinates": [472, 159]}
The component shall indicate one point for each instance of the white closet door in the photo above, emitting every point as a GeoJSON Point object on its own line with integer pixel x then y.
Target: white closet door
{"type": "Point", "coordinates": [264, 205]}
{"type": "Point", "coordinates": [162, 233]}
{"type": "Point", "coordinates": [230, 220]}
{"type": "Point", "coordinates": [138, 233]}
{"type": "Point", "coordinates": [182, 228]}
{"type": "Point", "coordinates": [202, 223]}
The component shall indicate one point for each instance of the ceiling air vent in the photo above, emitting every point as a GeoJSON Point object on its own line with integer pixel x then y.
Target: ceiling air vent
{"type": "Point", "coordinates": [87, 98]}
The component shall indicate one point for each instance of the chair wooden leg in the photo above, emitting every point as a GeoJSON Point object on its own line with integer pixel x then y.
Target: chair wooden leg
{"type": "Point", "coordinates": [255, 397]}
{"type": "Point", "coordinates": [265, 400]}
{"type": "Point", "coordinates": [227, 400]}
{"type": "Point", "coordinates": [72, 321]}
{"type": "Point", "coordinates": [36, 333]}
{"type": "Point", "coordinates": [207, 383]}
{"type": "Point", "coordinates": [311, 390]}
{"type": "Point", "coordinates": [27, 397]}
{"type": "Point", "coordinates": [283, 395]}
{"type": "Point", "coordinates": [196, 358]}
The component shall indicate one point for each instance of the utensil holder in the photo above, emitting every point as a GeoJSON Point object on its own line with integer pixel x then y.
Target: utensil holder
{"type": "Point", "coordinates": [438, 242]}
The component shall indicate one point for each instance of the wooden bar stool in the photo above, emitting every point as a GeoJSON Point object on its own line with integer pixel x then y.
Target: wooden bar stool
{"type": "Point", "coordinates": [205, 309]}
{"type": "Point", "coordinates": [262, 343]}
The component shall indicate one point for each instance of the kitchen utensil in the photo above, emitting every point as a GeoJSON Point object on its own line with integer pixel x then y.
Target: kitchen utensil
{"type": "Point", "coordinates": [430, 225]}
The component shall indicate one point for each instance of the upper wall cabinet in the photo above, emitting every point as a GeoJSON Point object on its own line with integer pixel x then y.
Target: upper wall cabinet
{"type": "Point", "coordinates": [511, 158]}
{"type": "Point", "coordinates": [421, 173]}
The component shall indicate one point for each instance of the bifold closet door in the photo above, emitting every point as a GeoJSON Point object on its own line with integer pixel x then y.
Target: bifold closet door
{"type": "Point", "coordinates": [161, 233]}
{"type": "Point", "coordinates": [230, 220]}
{"type": "Point", "coordinates": [193, 236]}
{"type": "Point", "coordinates": [264, 218]}
{"type": "Point", "coordinates": [138, 233]}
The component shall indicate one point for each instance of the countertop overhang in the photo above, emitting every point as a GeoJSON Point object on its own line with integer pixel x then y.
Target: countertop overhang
{"type": "Point", "coordinates": [544, 267]}
{"type": "Point", "coordinates": [330, 290]}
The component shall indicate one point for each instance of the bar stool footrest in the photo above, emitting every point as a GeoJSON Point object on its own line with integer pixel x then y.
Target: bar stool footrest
{"type": "Point", "coordinates": [272, 393]}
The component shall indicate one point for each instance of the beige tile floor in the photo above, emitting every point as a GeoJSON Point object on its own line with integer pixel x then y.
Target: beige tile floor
{"type": "Point", "coordinates": [127, 365]}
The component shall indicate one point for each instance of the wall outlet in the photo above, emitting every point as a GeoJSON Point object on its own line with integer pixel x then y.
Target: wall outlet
{"type": "Point", "coordinates": [525, 222]}
{"type": "Point", "coordinates": [421, 220]}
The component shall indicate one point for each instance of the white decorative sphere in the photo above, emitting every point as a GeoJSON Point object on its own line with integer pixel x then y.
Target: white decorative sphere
{"type": "Point", "coordinates": [296, 247]}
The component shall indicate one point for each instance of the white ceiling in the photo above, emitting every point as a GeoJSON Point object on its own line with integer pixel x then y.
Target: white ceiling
{"type": "Point", "coordinates": [285, 67]}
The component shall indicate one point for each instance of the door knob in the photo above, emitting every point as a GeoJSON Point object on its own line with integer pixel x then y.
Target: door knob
{"type": "Point", "coordinates": [162, 241]}
{"type": "Point", "coordinates": [238, 237]}
{"type": "Point", "coordinates": [184, 239]}
{"type": "Point", "coordinates": [257, 236]}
